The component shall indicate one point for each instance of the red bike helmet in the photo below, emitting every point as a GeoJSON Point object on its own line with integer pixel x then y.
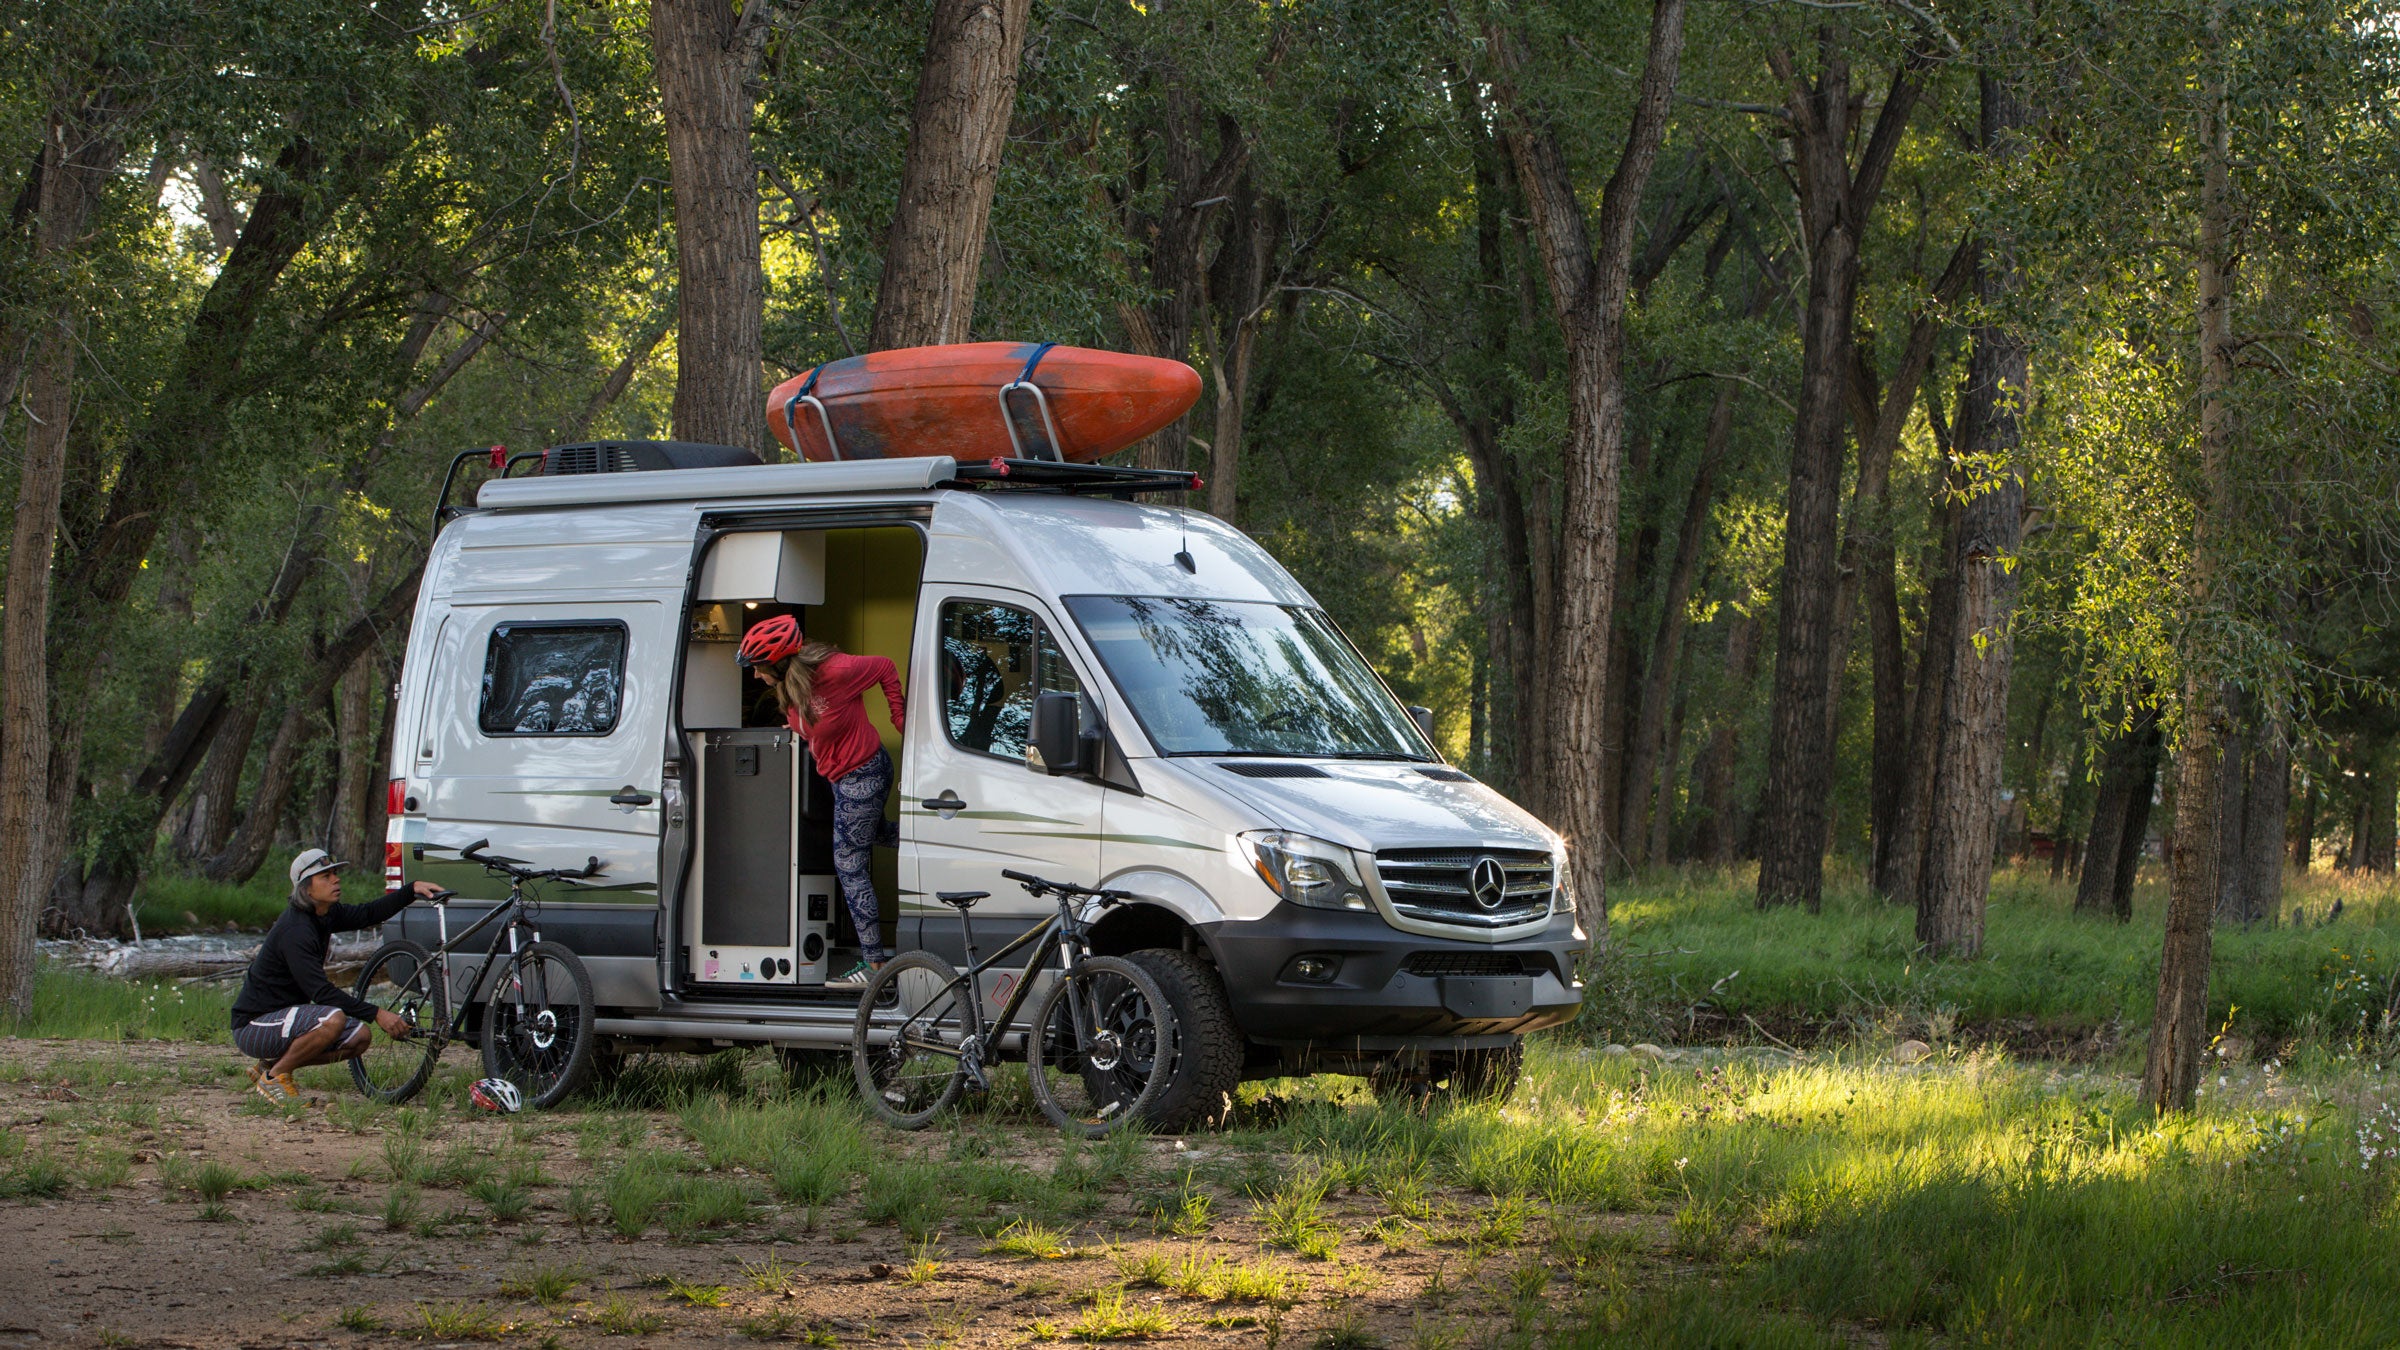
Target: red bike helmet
{"type": "Point", "coordinates": [769, 642]}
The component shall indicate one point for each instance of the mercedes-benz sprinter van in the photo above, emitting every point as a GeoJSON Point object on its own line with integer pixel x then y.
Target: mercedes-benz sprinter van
{"type": "Point", "coordinates": [1099, 690]}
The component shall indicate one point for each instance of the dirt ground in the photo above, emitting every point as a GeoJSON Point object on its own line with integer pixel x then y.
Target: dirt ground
{"type": "Point", "coordinates": [114, 1241]}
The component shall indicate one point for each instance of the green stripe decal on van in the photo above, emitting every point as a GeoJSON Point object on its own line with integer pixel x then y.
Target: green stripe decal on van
{"type": "Point", "coordinates": [1018, 816]}
{"type": "Point", "coordinates": [1155, 840]}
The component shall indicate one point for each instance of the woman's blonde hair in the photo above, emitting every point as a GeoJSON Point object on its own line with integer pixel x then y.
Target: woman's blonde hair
{"type": "Point", "coordinates": [795, 685]}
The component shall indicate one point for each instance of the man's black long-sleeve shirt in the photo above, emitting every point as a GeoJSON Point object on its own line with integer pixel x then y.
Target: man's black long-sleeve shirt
{"type": "Point", "coordinates": [290, 966]}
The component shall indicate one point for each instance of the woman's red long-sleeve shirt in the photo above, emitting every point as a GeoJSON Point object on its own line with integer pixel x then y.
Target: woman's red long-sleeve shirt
{"type": "Point", "coordinates": [838, 734]}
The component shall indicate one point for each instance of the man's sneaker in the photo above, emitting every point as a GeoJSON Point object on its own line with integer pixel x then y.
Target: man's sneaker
{"type": "Point", "coordinates": [858, 977]}
{"type": "Point", "coordinates": [279, 1089]}
{"type": "Point", "coordinates": [255, 1070]}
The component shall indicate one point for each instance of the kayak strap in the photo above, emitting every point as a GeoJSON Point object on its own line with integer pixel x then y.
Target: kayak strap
{"type": "Point", "coordinates": [1026, 391]}
{"type": "Point", "coordinates": [808, 395]}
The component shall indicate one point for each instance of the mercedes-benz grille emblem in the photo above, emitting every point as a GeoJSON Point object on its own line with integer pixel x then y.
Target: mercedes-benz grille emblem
{"type": "Point", "coordinates": [1488, 883]}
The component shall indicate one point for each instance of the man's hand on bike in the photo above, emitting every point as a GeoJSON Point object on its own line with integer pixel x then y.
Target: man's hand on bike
{"type": "Point", "coordinates": [426, 890]}
{"type": "Point", "coordinates": [393, 1024]}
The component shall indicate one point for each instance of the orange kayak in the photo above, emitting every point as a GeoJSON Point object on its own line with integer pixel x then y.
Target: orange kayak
{"type": "Point", "coordinates": [978, 401]}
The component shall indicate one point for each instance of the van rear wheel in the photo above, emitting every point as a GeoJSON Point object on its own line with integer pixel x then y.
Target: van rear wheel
{"type": "Point", "coordinates": [1208, 1055]}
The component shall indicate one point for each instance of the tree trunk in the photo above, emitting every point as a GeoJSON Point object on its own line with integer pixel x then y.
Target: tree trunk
{"type": "Point", "coordinates": [355, 772]}
{"type": "Point", "coordinates": [2134, 844]}
{"type": "Point", "coordinates": [1642, 784]}
{"type": "Point", "coordinates": [79, 153]}
{"type": "Point", "coordinates": [1905, 862]}
{"type": "Point", "coordinates": [966, 92]}
{"type": "Point", "coordinates": [2127, 767]}
{"type": "Point", "coordinates": [1193, 181]}
{"type": "Point", "coordinates": [705, 53]}
{"type": "Point", "coordinates": [1662, 819]}
{"type": "Point", "coordinates": [1588, 270]}
{"type": "Point", "coordinates": [2179, 1026]}
{"type": "Point", "coordinates": [1835, 204]}
{"type": "Point", "coordinates": [1237, 294]}
{"type": "Point", "coordinates": [2304, 825]}
{"type": "Point", "coordinates": [1973, 728]}
{"type": "Point", "coordinates": [242, 854]}
{"type": "Point", "coordinates": [2267, 804]}
{"type": "Point", "coordinates": [1717, 839]}
{"type": "Point", "coordinates": [208, 822]}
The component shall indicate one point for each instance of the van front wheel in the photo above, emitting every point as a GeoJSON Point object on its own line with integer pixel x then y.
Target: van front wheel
{"type": "Point", "coordinates": [1208, 1052]}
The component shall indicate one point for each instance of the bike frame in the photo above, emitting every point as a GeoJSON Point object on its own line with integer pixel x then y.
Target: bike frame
{"type": "Point", "coordinates": [517, 915]}
{"type": "Point", "coordinates": [1061, 932]}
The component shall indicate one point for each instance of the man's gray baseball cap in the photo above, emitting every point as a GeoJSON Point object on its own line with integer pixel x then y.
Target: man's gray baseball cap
{"type": "Point", "coordinates": [311, 862]}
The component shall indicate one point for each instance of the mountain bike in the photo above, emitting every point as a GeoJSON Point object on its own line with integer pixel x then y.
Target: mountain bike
{"type": "Point", "coordinates": [1098, 1049]}
{"type": "Point", "coordinates": [536, 995]}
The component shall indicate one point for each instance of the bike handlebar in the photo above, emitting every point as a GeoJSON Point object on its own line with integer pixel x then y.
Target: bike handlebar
{"type": "Point", "coordinates": [474, 853]}
{"type": "Point", "coordinates": [1040, 886]}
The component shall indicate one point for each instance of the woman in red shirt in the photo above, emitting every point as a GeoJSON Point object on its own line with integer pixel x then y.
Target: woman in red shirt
{"type": "Point", "coordinates": [822, 691]}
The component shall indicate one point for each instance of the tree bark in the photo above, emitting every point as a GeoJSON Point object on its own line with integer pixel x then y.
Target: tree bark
{"type": "Point", "coordinates": [1237, 297]}
{"type": "Point", "coordinates": [706, 52]}
{"type": "Point", "coordinates": [1905, 861]}
{"type": "Point", "coordinates": [1974, 723]}
{"type": "Point", "coordinates": [209, 817]}
{"type": "Point", "coordinates": [1717, 839]}
{"type": "Point", "coordinates": [2127, 767]}
{"type": "Point", "coordinates": [2179, 1026]}
{"type": "Point", "coordinates": [2304, 826]}
{"type": "Point", "coordinates": [966, 92]}
{"type": "Point", "coordinates": [1835, 203]}
{"type": "Point", "coordinates": [1588, 271]}
{"type": "Point", "coordinates": [80, 148]}
{"type": "Point", "coordinates": [355, 772]}
{"type": "Point", "coordinates": [2134, 844]}
{"type": "Point", "coordinates": [242, 854]}
{"type": "Point", "coordinates": [1642, 783]}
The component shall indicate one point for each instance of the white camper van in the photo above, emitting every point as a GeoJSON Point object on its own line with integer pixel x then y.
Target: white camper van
{"type": "Point", "coordinates": [1100, 691]}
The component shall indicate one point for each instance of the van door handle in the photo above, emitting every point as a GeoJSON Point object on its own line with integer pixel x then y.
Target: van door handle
{"type": "Point", "coordinates": [629, 795]}
{"type": "Point", "coordinates": [946, 805]}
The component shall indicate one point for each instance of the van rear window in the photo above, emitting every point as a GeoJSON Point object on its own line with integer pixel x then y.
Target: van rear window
{"type": "Point", "coordinates": [553, 679]}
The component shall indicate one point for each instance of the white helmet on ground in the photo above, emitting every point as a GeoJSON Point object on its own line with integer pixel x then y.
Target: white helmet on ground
{"type": "Point", "coordinates": [496, 1094]}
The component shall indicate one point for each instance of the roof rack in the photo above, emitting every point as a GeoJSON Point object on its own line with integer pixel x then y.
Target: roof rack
{"type": "Point", "coordinates": [1047, 475]}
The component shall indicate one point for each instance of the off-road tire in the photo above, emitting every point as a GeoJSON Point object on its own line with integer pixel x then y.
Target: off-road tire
{"type": "Point", "coordinates": [530, 1056]}
{"type": "Point", "coordinates": [399, 1068]}
{"type": "Point", "coordinates": [1208, 1062]}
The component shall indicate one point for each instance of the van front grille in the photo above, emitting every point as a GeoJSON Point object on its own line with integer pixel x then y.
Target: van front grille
{"type": "Point", "coordinates": [1453, 885]}
{"type": "Point", "coordinates": [1463, 963]}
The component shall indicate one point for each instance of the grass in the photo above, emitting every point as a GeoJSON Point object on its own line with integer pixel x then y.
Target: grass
{"type": "Point", "coordinates": [457, 1322]}
{"type": "Point", "coordinates": [1030, 1241]}
{"type": "Point", "coordinates": [621, 1316]}
{"type": "Point", "coordinates": [543, 1284]}
{"type": "Point", "coordinates": [1293, 1217]}
{"type": "Point", "coordinates": [168, 902]}
{"type": "Point", "coordinates": [1109, 1319]}
{"type": "Point", "coordinates": [1695, 957]}
{"type": "Point", "coordinates": [81, 1005]}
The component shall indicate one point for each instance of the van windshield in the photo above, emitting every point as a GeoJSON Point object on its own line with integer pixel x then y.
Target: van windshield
{"type": "Point", "coordinates": [1229, 677]}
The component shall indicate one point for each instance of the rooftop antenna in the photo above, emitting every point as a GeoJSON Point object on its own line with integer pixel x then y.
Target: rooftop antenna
{"type": "Point", "coordinates": [1183, 555]}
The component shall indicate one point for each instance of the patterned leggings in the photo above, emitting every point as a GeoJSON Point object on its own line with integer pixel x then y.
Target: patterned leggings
{"type": "Point", "coordinates": [858, 826]}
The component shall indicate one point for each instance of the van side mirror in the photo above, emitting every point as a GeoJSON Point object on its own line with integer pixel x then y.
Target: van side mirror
{"type": "Point", "coordinates": [1059, 745]}
{"type": "Point", "coordinates": [1423, 717]}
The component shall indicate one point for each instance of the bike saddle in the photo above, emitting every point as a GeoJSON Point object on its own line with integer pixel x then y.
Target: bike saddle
{"type": "Point", "coordinates": [960, 899]}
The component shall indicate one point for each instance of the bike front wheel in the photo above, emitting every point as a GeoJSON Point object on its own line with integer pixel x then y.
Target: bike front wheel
{"type": "Point", "coordinates": [537, 1023]}
{"type": "Point", "coordinates": [401, 978]}
{"type": "Point", "coordinates": [1103, 1047]}
{"type": "Point", "coordinates": [909, 1042]}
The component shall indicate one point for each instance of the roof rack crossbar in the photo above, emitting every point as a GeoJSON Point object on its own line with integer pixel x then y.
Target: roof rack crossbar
{"type": "Point", "coordinates": [1058, 476]}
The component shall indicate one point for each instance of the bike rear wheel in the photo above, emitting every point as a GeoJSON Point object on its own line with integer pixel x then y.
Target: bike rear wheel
{"type": "Point", "coordinates": [537, 1023]}
{"type": "Point", "coordinates": [1103, 1047]}
{"type": "Point", "coordinates": [908, 1042]}
{"type": "Point", "coordinates": [401, 978]}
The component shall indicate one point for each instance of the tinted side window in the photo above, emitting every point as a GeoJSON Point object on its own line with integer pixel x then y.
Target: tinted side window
{"type": "Point", "coordinates": [995, 658]}
{"type": "Point", "coordinates": [553, 679]}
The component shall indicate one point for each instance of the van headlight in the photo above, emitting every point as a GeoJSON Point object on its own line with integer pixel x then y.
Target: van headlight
{"type": "Point", "coordinates": [1305, 871]}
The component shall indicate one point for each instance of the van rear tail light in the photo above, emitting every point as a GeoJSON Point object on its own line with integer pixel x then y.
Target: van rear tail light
{"type": "Point", "coordinates": [395, 797]}
{"type": "Point", "coordinates": [391, 864]}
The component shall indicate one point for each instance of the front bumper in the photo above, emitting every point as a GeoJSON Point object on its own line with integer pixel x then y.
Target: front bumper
{"type": "Point", "coordinates": [1390, 990]}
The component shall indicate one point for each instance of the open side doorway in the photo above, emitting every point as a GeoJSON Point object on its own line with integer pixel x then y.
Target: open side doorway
{"type": "Point", "coordinates": [760, 911]}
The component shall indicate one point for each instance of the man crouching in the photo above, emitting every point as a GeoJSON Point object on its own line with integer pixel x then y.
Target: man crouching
{"type": "Point", "coordinates": [290, 1015]}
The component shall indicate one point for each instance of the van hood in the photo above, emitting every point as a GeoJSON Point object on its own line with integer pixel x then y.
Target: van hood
{"type": "Point", "coordinates": [1370, 806]}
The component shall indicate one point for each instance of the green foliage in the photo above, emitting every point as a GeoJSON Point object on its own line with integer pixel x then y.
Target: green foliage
{"type": "Point", "coordinates": [86, 1006]}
